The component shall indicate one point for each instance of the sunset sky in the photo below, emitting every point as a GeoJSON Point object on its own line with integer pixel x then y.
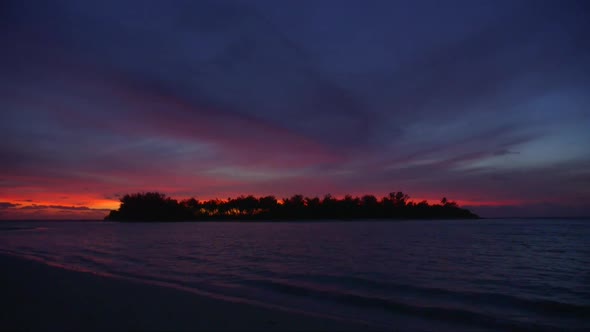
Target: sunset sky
{"type": "Point", "coordinates": [484, 102]}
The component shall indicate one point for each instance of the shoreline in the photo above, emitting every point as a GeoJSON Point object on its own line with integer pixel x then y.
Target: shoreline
{"type": "Point", "coordinates": [40, 297]}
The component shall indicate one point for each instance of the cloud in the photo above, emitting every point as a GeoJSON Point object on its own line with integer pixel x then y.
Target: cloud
{"type": "Point", "coordinates": [504, 152]}
{"type": "Point", "coordinates": [210, 98]}
{"type": "Point", "coordinates": [500, 63]}
{"type": "Point", "coordinates": [252, 73]}
{"type": "Point", "coordinates": [8, 205]}
{"type": "Point", "coordinates": [60, 207]}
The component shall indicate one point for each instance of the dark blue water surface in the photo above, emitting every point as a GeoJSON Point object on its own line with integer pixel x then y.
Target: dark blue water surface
{"type": "Point", "coordinates": [422, 275]}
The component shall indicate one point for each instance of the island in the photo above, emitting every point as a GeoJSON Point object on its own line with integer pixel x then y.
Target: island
{"type": "Point", "coordinates": [158, 207]}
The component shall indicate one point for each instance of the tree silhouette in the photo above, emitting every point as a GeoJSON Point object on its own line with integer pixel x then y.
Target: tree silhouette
{"type": "Point", "coordinates": [151, 206]}
{"type": "Point", "coordinates": [154, 206]}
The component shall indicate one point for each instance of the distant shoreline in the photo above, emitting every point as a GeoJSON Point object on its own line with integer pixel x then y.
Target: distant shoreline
{"type": "Point", "coordinates": [293, 221]}
{"type": "Point", "coordinates": [156, 207]}
{"type": "Point", "coordinates": [298, 221]}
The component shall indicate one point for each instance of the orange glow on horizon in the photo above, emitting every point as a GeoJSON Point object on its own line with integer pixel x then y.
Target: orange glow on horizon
{"type": "Point", "coordinates": [95, 204]}
{"type": "Point", "coordinates": [57, 206]}
{"type": "Point", "coordinates": [87, 206]}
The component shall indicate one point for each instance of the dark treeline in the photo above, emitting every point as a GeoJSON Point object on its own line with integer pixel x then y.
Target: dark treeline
{"type": "Point", "coordinates": [153, 206]}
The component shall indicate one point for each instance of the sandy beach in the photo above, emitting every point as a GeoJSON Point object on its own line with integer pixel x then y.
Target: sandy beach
{"type": "Point", "coordinates": [39, 297]}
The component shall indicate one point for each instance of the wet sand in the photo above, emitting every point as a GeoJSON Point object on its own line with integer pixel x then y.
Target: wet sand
{"type": "Point", "coordinates": [35, 296]}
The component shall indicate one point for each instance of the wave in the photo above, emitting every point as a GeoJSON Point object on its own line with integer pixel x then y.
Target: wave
{"type": "Point", "coordinates": [471, 317]}
{"type": "Point", "coordinates": [90, 261]}
{"type": "Point", "coordinates": [535, 305]}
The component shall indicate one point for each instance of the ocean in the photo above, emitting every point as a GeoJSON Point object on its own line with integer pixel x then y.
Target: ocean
{"type": "Point", "coordinates": [454, 275]}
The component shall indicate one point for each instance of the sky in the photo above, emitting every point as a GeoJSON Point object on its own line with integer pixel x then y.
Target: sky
{"type": "Point", "coordinates": [484, 102]}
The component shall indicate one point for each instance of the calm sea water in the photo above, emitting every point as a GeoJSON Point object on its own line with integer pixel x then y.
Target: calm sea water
{"type": "Point", "coordinates": [423, 275]}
